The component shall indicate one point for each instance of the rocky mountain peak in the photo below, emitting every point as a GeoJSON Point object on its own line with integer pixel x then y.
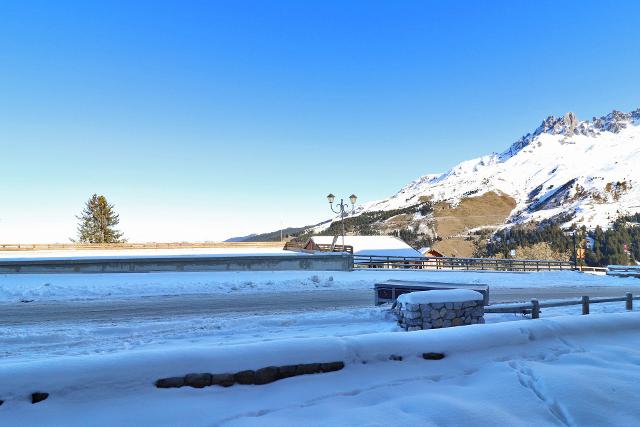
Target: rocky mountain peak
{"type": "Point", "coordinates": [615, 121]}
{"type": "Point", "coordinates": [569, 126]}
{"type": "Point", "coordinates": [559, 125]}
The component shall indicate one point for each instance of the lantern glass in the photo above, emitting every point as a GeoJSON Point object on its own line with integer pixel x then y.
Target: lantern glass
{"type": "Point", "coordinates": [331, 198]}
{"type": "Point", "coordinates": [353, 199]}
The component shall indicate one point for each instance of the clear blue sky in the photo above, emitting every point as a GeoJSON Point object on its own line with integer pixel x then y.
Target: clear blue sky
{"type": "Point", "coordinates": [203, 120]}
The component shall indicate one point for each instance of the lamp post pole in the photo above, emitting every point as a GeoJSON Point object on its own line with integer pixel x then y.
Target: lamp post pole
{"type": "Point", "coordinates": [575, 251]}
{"type": "Point", "coordinates": [342, 210]}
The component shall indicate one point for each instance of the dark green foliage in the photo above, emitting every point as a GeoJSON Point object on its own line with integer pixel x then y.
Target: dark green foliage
{"type": "Point", "coordinates": [503, 241]}
{"type": "Point", "coordinates": [608, 246]}
{"type": "Point", "coordinates": [631, 218]}
{"type": "Point", "coordinates": [425, 209]}
{"type": "Point", "coordinates": [98, 221]}
{"type": "Point", "coordinates": [413, 239]}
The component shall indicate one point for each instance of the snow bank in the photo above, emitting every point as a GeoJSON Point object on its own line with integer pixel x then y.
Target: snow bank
{"type": "Point", "coordinates": [565, 371]}
{"type": "Point", "coordinates": [439, 296]}
{"type": "Point", "coordinates": [139, 368]}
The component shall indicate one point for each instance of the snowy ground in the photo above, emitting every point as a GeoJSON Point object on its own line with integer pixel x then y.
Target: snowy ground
{"type": "Point", "coordinates": [44, 287]}
{"type": "Point", "coordinates": [76, 340]}
{"type": "Point", "coordinates": [571, 370]}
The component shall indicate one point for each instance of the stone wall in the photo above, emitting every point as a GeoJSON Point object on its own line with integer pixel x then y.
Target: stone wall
{"type": "Point", "coordinates": [413, 317]}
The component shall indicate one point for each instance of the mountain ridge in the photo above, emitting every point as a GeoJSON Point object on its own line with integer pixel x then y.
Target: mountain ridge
{"type": "Point", "coordinates": [587, 164]}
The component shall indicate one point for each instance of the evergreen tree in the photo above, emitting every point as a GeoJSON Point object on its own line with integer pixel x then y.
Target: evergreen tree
{"type": "Point", "coordinates": [98, 221]}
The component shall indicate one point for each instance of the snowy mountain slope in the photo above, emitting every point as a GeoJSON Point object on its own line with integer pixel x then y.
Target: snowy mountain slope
{"type": "Point", "coordinates": [587, 170]}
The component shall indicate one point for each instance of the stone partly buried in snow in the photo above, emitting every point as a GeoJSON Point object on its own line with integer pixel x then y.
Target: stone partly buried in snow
{"type": "Point", "coordinates": [259, 377]}
{"type": "Point", "coordinates": [439, 309]}
{"type": "Point", "coordinates": [38, 397]}
{"type": "Point", "coordinates": [198, 380]}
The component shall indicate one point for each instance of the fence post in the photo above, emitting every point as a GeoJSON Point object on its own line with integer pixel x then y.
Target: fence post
{"type": "Point", "coordinates": [535, 309]}
{"type": "Point", "coordinates": [629, 303]}
{"type": "Point", "coordinates": [585, 304]}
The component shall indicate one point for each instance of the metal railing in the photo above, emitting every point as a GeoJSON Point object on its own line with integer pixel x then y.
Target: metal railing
{"type": "Point", "coordinates": [446, 263]}
{"type": "Point", "coordinates": [534, 306]}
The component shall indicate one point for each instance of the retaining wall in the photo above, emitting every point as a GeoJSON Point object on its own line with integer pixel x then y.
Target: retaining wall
{"type": "Point", "coordinates": [322, 262]}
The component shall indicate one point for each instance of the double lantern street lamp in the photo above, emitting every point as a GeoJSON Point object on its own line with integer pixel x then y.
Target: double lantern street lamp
{"type": "Point", "coordinates": [342, 209]}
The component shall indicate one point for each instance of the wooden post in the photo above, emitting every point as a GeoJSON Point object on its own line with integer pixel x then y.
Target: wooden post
{"type": "Point", "coordinates": [585, 304]}
{"type": "Point", "coordinates": [629, 302]}
{"type": "Point", "coordinates": [535, 309]}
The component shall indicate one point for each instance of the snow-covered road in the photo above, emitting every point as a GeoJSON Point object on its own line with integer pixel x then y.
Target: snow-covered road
{"type": "Point", "coordinates": [59, 328]}
{"type": "Point", "coordinates": [87, 314]}
{"type": "Point", "coordinates": [211, 305]}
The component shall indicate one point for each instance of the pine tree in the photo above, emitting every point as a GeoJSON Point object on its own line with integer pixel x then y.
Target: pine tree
{"type": "Point", "coordinates": [98, 221]}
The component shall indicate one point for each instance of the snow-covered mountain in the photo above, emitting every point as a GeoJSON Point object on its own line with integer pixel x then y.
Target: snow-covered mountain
{"type": "Point", "coordinates": [587, 171]}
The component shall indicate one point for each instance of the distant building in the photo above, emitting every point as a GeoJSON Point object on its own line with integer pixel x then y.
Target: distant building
{"type": "Point", "coordinates": [432, 263]}
{"type": "Point", "coordinates": [365, 246]}
{"type": "Point", "coordinates": [429, 252]}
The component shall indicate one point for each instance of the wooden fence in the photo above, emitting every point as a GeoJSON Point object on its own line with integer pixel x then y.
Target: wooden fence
{"type": "Point", "coordinates": [595, 270]}
{"type": "Point", "coordinates": [148, 245]}
{"type": "Point", "coordinates": [446, 263]}
{"type": "Point", "coordinates": [624, 270]}
{"type": "Point", "coordinates": [534, 306]}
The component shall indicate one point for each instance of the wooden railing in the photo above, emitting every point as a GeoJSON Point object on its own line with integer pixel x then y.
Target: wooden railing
{"type": "Point", "coordinates": [589, 269]}
{"type": "Point", "coordinates": [624, 270]}
{"type": "Point", "coordinates": [147, 245]}
{"type": "Point", "coordinates": [445, 263]}
{"type": "Point", "coordinates": [534, 306]}
{"type": "Point", "coordinates": [321, 247]}
{"type": "Point", "coordinates": [334, 248]}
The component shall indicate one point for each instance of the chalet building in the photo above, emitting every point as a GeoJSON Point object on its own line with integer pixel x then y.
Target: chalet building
{"type": "Point", "coordinates": [432, 263]}
{"type": "Point", "coordinates": [429, 252]}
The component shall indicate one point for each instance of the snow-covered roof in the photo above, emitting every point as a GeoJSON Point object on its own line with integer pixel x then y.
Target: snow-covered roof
{"type": "Point", "coordinates": [372, 245]}
{"type": "Point", "coordinates": [439, 296]}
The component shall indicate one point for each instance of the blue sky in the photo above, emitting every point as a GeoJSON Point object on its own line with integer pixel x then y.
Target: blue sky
{"type": "Point", "coordinates": [202, 120]}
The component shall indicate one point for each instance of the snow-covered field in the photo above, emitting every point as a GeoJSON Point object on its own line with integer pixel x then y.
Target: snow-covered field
{"type": "Point", "coordinates": [571, 370]}
{"type": "Point", "coordinates": [43, 287]}
{"type": "Point", "coordinates": [147, 253]}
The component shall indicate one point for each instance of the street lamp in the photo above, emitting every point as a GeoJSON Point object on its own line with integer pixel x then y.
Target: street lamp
{"type": "Point", "coordinates": [342, 209]}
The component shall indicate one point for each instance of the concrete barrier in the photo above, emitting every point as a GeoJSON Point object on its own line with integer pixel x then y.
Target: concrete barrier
{"type": "Point", "coordinates": [317, 262]}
